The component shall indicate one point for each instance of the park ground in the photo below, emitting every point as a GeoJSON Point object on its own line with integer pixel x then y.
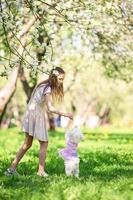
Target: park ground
{"type": "Point", "coordinates": [106, 167]}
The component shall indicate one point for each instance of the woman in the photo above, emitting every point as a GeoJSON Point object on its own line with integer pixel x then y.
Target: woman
{"type": "Point", "coordinates": [34, 123]}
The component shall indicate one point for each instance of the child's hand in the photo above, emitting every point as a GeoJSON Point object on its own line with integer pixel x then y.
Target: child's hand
{"type": "Point", "coordinates": [69, 115]}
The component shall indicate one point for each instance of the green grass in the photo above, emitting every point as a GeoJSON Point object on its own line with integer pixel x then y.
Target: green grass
{"type": "Point", "coordinates": [106, 168]}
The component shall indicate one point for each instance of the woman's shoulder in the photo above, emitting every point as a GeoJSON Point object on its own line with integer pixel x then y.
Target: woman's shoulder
{"type": "Point", "coordinates": [45, 87]}
{"type": "Point", "coordinates": [42, 84]}
{"type": "Point", "coordinates": [41, 90]}
{"type": "Point", "coordinates": [40, 87]}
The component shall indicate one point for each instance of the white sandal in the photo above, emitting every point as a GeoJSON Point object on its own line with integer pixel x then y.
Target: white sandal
{"type": "Point", "coordinates": [43, 174]}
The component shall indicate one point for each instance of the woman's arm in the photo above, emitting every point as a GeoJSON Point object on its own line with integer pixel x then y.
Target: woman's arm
{"type": "Point", "coordinates": [53, 110]}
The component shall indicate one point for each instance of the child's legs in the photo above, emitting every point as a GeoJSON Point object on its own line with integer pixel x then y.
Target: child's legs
{"type": "Point", "coordinates": [25, 146]}
{"type": "Point", "coordinates": [76, 170]}
{"type": "Point", "coordinates": [68, 168]}
{"type": "Point", "coordinates": [42, 155]}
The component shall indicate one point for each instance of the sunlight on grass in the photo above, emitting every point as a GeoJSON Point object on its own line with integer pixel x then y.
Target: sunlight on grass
{"type": "Point", "coordinates": [106, 169]}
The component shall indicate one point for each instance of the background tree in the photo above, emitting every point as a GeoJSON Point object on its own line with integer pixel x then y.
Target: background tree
{"type": "Point", "coordinates": [98, 31]}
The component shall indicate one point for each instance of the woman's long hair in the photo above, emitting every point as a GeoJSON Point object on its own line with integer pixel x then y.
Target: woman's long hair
{"type": "Point", "coordinates": [57, 91]}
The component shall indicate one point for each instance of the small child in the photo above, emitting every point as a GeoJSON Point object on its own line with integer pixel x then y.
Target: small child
{"type": "Point", "coordinates": [69, 154]}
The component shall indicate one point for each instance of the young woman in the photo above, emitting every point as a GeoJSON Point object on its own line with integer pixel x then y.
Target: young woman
{"type": "Point", "coordinates": [34, 123]}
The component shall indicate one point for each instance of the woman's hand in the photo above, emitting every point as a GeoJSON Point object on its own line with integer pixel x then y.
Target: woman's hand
{"type": "Point", "coordinates": [53, 110]}
{"type": "Point", "coordinates": [69, 115]}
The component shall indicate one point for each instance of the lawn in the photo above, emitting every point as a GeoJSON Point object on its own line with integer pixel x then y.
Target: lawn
{"type": "Point", "coordinates": [106, 168]}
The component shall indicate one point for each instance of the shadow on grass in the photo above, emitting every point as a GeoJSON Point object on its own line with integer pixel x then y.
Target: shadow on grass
{"type": "Point", "coordinates": [28, 184]}
{"type": "Point", "coordinates": [100, 165]}
{"type": "Point", "coordinates": [105, 166]}
{"type": "Point", "coordinates": [96, 165]}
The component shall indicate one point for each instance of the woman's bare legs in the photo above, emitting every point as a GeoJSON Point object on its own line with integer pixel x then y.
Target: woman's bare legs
{"type": "Point", "coordinates": [42, 156]}
{"type": "Point", "coordinates": [25, 146]}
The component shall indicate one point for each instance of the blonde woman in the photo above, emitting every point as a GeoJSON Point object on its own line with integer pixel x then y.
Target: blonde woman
{"type": "Point", "coordinates": [34, 123]}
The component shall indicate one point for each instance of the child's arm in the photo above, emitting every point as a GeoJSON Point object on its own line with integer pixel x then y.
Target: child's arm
{"type": "Point", "coordinates": [51, 108]}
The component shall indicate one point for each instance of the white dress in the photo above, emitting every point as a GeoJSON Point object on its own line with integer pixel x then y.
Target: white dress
{"type": "Point", "coordinates": [34, 122]}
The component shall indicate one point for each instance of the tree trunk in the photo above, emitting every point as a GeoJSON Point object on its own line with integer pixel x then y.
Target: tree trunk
{"type": "Point", "coordinates": [27, 89]}
{"type": "Point", "coordinates": [51, 121]}
{"type": "Point", "coordinates": [7, 92]}
{"type": "Point", "coordinates": [104, 114]}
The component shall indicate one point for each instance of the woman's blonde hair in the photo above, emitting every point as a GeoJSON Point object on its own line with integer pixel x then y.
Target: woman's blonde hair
{"type": "Point", "coordinates": [57, 91]}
